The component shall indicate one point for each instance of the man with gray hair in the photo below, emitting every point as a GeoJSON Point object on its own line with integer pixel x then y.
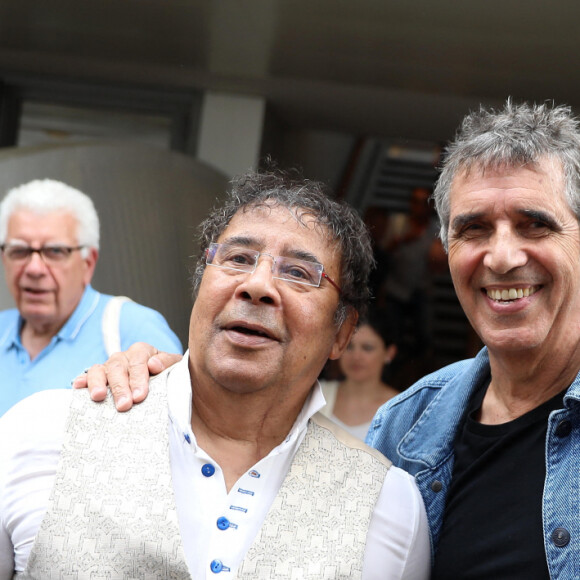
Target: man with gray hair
{"type": "Point", "coordinates": [494, 442]}
{"type": "Point", "coordinates": [49, 238]}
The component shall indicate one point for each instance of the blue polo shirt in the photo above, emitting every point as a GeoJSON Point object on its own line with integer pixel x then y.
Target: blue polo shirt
{"type": "Point", "coordinates": [77, 345]}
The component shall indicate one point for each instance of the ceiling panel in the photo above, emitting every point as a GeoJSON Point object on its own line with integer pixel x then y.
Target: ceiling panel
{"type": "Point", "coordinates": [331, 62]}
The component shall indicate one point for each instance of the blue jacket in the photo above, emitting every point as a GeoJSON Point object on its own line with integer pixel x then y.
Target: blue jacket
{"type": "Point", "coordinates": [416, 431]}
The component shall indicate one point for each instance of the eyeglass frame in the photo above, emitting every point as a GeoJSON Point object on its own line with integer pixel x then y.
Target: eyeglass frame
{"type": "Point", "coordinates": [323, 274]}
{"type": "Point", "coordinates": [41, 252]}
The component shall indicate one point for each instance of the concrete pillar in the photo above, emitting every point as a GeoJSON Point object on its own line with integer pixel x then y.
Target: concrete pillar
{"type": "Point", "coordinates": [230, 134]}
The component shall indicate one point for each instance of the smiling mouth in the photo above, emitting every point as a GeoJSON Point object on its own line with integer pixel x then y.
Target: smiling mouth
{"type": "Point", "coordinates": [511, 294]}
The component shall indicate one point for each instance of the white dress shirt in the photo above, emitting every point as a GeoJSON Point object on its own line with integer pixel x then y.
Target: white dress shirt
{"type": "Point", "coordinates": [215, 525]}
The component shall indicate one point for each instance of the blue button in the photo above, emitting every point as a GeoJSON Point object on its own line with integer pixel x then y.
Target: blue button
{"type": "Point", "coordinates": [208, 469]}
{"type": "Point", "coordinates": [217, 566]}
{"type": "Point", "coordinates": [223, 523]}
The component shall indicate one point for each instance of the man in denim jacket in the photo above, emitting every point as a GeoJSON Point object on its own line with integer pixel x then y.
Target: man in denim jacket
{"type": "Point", "coordinates": [494, 441]}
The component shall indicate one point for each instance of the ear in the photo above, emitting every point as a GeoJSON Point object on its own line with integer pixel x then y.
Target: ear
{"type": "Point", "coordinates": [90, 264]}
{"type": "Point", "coordinates": [390, 353]}
{"type": "Point", "coordinates": [344, 335]}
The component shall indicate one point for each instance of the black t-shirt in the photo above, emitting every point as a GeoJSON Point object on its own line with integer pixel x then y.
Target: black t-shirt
{"type": "Point", "coordinates": [492, 525]}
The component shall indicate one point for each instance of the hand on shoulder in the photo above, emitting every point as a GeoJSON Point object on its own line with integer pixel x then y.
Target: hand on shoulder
{"type": "Point", "coordinates": [126, 374]}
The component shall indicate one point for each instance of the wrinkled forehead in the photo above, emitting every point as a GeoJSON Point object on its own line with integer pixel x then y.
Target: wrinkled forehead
{"type": "Point", "coordinates": [288, 227]}
{"type": "Point", "coordinates": [302, 217]}
{"type": "Point", "coordinates": [42, 211]}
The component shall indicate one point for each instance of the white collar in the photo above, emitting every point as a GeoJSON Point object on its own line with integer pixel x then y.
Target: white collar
{"type": "Point", "coordinates": [179, 390]}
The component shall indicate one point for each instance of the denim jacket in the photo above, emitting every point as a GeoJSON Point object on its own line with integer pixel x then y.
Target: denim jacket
{"type": "Point", "coordinates": [416, 431]}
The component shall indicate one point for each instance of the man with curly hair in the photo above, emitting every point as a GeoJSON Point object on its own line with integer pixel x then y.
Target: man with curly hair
{"type": "Point", "coordinates": [227, 467]}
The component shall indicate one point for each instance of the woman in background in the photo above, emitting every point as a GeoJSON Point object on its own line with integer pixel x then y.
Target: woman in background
{"type": "Point", "coordinates": [353, 401]}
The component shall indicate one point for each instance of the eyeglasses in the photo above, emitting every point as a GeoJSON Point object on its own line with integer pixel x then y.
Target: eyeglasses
{"type": "Point", "coordinates": [242, 259]}
{"type": "Point", "coordinates": [49, 254]}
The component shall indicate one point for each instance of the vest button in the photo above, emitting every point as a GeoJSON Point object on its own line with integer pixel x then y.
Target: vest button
{"type": "Point", "coordinates": [223, 523]}
{"type": "Point", "coordinates": [561, 537]}
{"type": "Point", "coordinates": [216, 566]}
{"type": "Point", "coordinates": [208, 469]}
{"type": "Point", "coordinates": [564, 428]}
{"type": "Point", "coordinates": [436, 486]}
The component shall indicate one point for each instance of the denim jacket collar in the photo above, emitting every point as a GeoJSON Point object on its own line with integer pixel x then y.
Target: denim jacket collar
{"type": "Point", "coordinates": [572, 396]}
{"type": "Point", "coordinates": [430, 439]}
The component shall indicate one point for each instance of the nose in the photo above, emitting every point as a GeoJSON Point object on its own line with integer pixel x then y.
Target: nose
{"type": "Point", "coordinates": [35, 265]}
{"type": "Point", "coordinates": [259, 286]}
{"type": "Point", "coordinates": [505, 251]}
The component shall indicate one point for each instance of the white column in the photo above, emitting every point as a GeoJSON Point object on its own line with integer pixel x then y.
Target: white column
{"type": "Point", "coordinates": [230, 132]}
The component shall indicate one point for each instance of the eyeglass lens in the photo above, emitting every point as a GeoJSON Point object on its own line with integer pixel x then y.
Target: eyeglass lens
{"type": "Point", "coordinates": [245, 260]}
{"type": "Point", "coordinates": [18, 253]}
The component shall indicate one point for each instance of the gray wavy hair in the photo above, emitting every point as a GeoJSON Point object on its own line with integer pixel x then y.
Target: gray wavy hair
{"type": "Point", "coordinates": [339, 221]}
{"type": "Point", "coordinates": [515, 136]}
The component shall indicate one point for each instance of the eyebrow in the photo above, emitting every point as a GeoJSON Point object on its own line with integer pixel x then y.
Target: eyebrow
{"type": "Point", "coordinates": [242, 241]}
{"type": "Point", "coordinates": [302, 255]}
{"type": "Point", "coordinates": [540, 216]}
{"type": "Point", "coordinates": [20, 242]}
{"type": "Point", "coordinates": [464, 219]}
{"type": "Point", "coordinates": [249, 242]}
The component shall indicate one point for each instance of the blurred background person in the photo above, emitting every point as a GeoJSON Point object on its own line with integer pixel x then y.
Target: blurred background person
{"type": "Point", "coordinates": [353, 401]}
{"type": "Point", "coordinates": [49, 238]}
{"type": "Point", "coordinates": [415, 252]}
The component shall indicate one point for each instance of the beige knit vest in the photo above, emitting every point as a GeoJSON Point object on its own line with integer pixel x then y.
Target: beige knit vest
{"type": "Point", "coordinates": [112, 512]}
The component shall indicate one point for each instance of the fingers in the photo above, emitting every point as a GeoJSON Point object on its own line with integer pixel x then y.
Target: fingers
{"type": "Point", "coordinates": [114, 375]}
{"type": "Point", "coordinates": [126, 374]}
{"type": "Point", "coordinates": [161, 361]}
{"type": "Point", "coordinates": [118, 371]}
{"type": "Point", "coordinates": [95, 378]}
{"type": "Point", "coordinates": [79, 382]}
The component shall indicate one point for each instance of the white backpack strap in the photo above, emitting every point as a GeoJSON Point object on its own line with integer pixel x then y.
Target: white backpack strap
{"type": "Point", "coordinates": [110, 324]}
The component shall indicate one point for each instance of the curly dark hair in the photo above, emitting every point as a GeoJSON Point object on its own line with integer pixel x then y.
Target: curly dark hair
{"type": "Point", "coordinates": [339, 221]}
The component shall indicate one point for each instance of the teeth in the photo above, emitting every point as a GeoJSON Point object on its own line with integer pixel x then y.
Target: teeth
{"type": "Point", "coordinates": [507, 294]}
